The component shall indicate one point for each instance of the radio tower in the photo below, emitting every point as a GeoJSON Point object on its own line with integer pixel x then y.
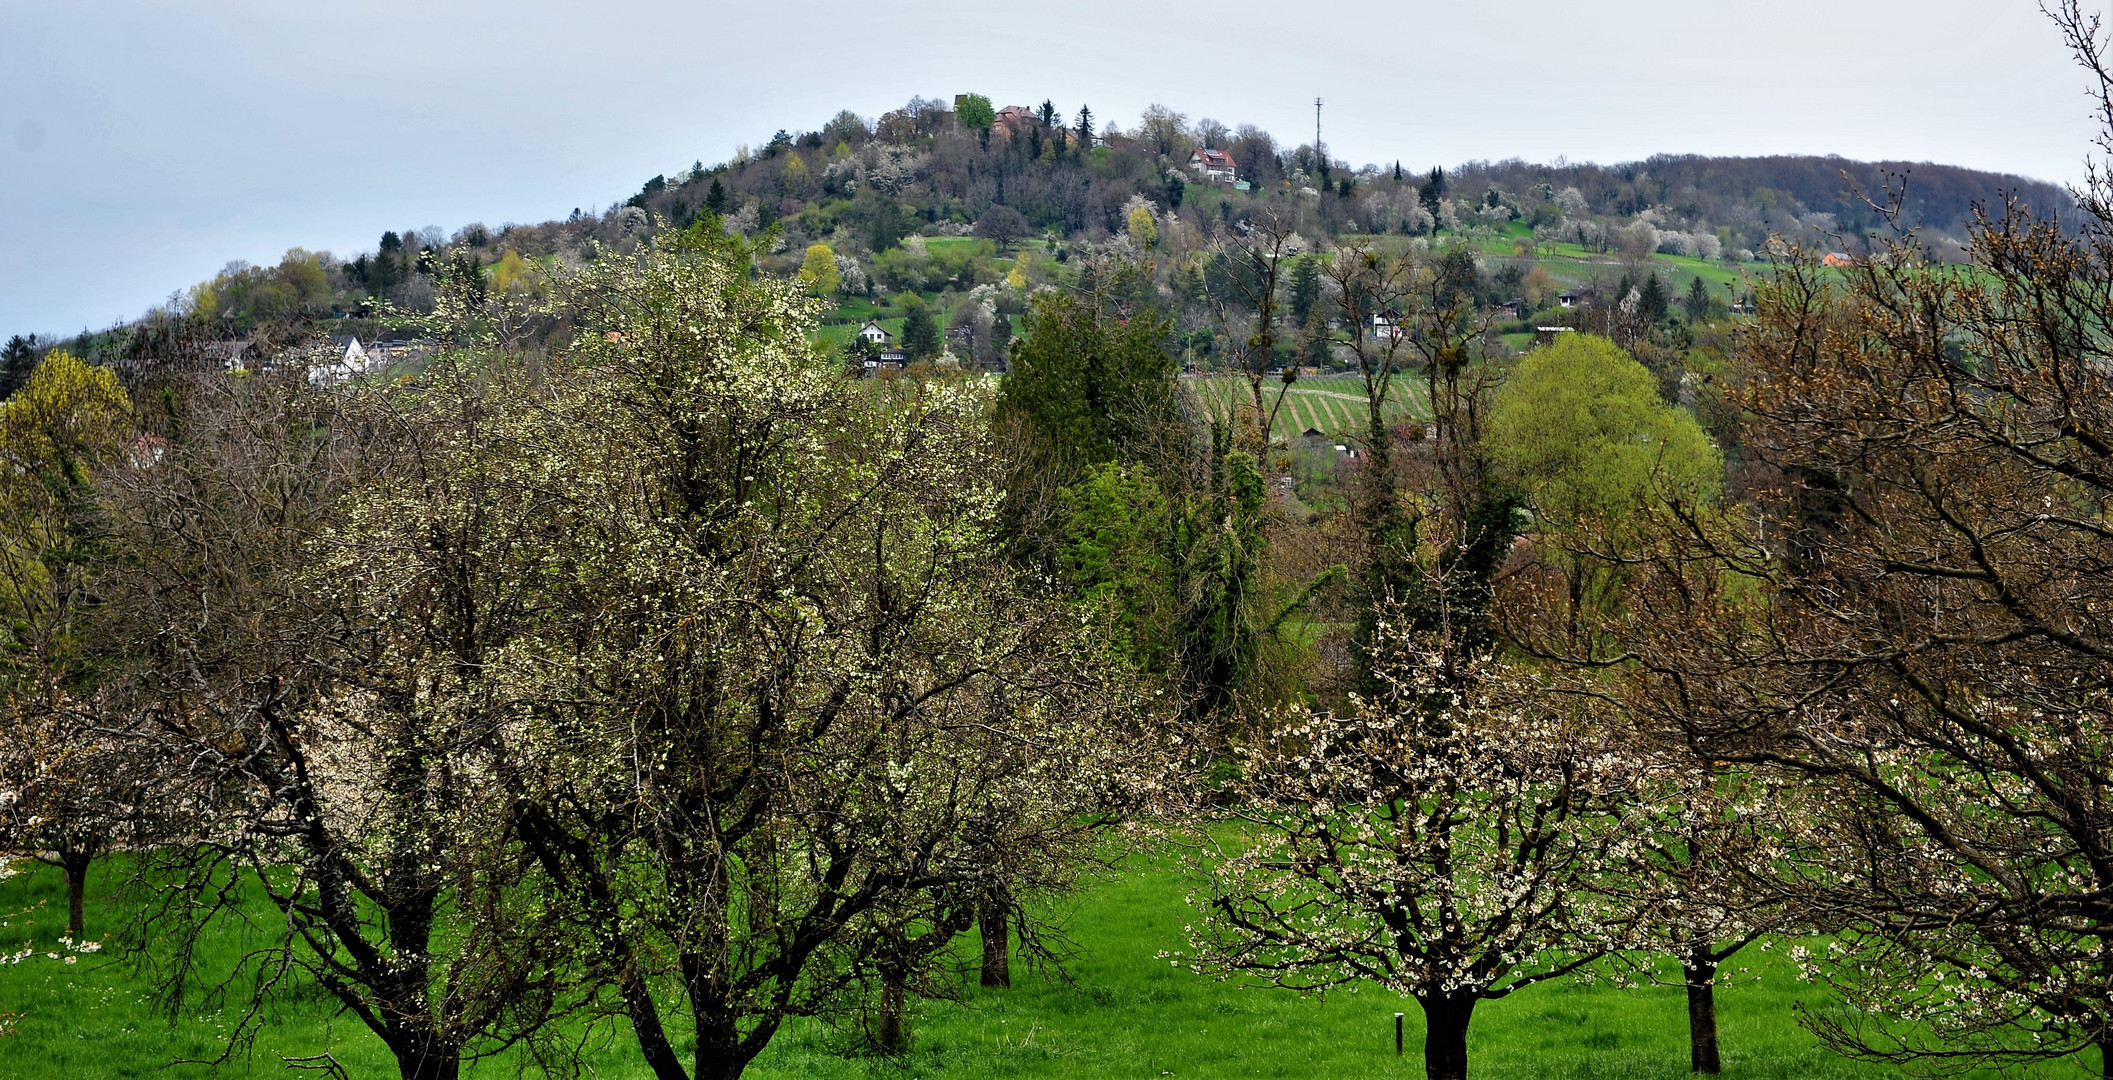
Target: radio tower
{"type": "Point", "coordinates": [1320, 156]}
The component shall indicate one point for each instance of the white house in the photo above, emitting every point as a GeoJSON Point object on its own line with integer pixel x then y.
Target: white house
{"type": "Point", "coordinates": [872, 334]}
{"type": "Point", "coordinates": [345, 350]}
{"type": "Point", "coordinates": [342, 359]}
{"type": "Point", "coordinates": [1213, 165]}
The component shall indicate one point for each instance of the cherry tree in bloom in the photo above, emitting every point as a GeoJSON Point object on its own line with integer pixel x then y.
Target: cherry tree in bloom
{"type": "Point", "coordinates": [1437, 840]}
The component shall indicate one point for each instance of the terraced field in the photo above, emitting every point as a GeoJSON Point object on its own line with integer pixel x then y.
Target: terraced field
{"type": "Point", "coordinates": [1334, 404]}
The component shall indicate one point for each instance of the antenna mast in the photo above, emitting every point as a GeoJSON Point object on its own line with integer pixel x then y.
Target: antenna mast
{"type": "Point", "coordinates": [1317, 153]}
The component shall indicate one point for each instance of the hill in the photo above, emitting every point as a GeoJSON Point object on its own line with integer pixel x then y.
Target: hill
{"type": "Point", "coordinates": [937, 201]}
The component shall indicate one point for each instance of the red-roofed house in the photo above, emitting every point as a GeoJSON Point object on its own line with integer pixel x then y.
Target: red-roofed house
{"type": "Point", "coordinates": [1213, 165]}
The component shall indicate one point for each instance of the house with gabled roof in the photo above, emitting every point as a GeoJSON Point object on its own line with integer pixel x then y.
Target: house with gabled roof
{"type": "Point", "coordinates": [1213, 165]}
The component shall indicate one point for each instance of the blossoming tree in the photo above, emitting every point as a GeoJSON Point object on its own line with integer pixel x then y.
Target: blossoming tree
{"type": "Point", "coordinates": [1436, 841]}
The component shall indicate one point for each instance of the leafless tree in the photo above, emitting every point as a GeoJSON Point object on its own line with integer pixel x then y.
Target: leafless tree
{"type": "Point", "coordinates": [1922, 627]}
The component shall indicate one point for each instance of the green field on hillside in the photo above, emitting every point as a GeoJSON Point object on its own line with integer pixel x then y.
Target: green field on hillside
{"type": "Point", "coordinates": [1334, 404]}
{"type": "Point", "coordinates": [1122, 1009]}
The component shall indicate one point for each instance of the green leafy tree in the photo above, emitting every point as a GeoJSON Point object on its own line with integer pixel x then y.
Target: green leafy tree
{"type": "Point", "coordinates": [67, 792]}
{"type": "Point", "coordinates": [1143, 228]}
{"type": "Point", "coordinates": [818, 270]}
{"type": "Point", "coordinates": [1581, 427]}
{"type": "Point", "coordinates": [1087, 387]}
{"type": "Point", "coordinates": [974, 112]}
{"type": "Point", "coordinates": [1115, 556]}
{"type": "Point", "coordinates": [1582, 431]}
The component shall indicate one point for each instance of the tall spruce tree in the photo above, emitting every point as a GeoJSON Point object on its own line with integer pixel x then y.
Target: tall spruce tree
{"type": "Point", "coordinates": [920, 332]}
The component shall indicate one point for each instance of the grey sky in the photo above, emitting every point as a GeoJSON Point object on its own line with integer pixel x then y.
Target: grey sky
{"type": "Point", "coordinates": [144, 143]}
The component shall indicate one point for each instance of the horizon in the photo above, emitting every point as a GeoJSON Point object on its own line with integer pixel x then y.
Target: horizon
{"type": "Point", "coordinates": [188, 139]}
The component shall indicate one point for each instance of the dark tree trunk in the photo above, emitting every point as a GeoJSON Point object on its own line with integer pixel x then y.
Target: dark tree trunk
{"type": "Point", "coordinates": [76, 864]}
{"type": "Point", "coordinates": [888, 1034]}
{"type": "Point", "coordinates": [1445, 1021]}
{"type": "Point", "coordinates": [430, 1059]}
{"type": "Point", "coordinates": [720, 1053]}
{"type": "Point", "coordinates": [645, 1023]}
{"type": "Point", "coordinates": [1701, 975]}
{"type": "Point", "coordinates": [997, 946]}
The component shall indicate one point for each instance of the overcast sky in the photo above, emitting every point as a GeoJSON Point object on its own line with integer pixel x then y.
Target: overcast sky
{"type": "Point", "coordinates": [145, 143]}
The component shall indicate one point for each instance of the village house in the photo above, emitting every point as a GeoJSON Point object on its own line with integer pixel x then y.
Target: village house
{"type": "Point", "coordinates": [345, 351]}
{"type": "Point", "coordinates": [232, 355]}
{"type": "Point", "coordinates": [872, 333]}
{"type": "Point", "coordinates": [1215, 166]}
{"type": "Point", "coordinates": [341, 358]}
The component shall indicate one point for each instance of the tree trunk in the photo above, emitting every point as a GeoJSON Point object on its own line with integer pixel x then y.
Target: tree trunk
{"type": "Point", "coordinates": [429, 1058]}
{"type": "Point", "coordinates": [1702, 1015]}
{"type": "Point", "coordinates": [1445, 1021]}
{"type": "Point", "coordinates": [997, 946]}
{"type": "Point", "coordinates": [76, 864]}
{"type": "Point", "coordinates": [888, 1034]}
{"type": "Point", "coordinates": [645, 1023]}
{"type": "Point", "coordinates": [718, 1045]}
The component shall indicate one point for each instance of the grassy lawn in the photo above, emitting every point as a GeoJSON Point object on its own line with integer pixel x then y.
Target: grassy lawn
{"type": "Point", "coordinates": [1125, 1011]}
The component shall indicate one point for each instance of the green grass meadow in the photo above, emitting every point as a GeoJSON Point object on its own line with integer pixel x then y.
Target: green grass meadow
{"type": "Point", "coordinates": [1122, 1010]}
{"type": "Point", "coordinates": [1333, 404]}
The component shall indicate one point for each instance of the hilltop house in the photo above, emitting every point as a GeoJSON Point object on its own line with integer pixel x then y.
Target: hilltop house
{"type": "Point", "coordinates": [1016, 118]}
{"type": "Point", "coordinates": [872, 333]}
{"type": "Point", "coordinates": [1213, 165]}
